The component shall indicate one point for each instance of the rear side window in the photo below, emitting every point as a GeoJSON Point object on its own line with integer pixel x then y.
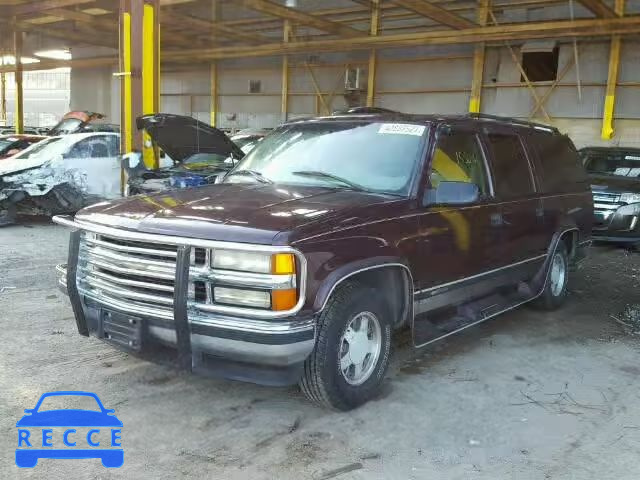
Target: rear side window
{"type": "Point", "coordinates": [560, 167]}
{"type": "Point", "coordinates": [511, 171]}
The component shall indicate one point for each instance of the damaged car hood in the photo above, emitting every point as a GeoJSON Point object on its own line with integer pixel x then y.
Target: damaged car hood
{"type": "Point", "coordinates": [251, 213]}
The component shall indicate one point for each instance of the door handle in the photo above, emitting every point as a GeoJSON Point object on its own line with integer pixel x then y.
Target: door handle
{"type": "Point", "coordinates": [497, 220]}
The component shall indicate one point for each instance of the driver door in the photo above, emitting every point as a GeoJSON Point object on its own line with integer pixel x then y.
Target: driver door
{"type": "Point", "coordinates": [458, 241]}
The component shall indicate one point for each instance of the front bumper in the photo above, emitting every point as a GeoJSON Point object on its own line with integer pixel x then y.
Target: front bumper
{"type": "Point", "coordinates": [620, 226]}
{"type": "Point", "coordinates": [265, 351]}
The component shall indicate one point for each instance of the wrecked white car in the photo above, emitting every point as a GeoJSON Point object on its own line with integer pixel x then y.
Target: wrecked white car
{"type": "Point", "coordinates": [60, 175]}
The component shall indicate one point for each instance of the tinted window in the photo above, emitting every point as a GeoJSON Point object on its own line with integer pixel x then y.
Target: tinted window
{"type": "Point", "coordinates": [560, 170]}
{"type": "Point", "coordinates": [613, 162]}
{"type": "Point", "coordinates": [511, 171]}
{"type": "Point", "coordinates": [458, 158]}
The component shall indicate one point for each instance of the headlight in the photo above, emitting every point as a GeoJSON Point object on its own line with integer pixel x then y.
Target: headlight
{"type": "Point", "coordinates": [247, 279]}
{"type": "Point", "coordinates": [242, 297]}
{"type": "Point", "coordinates": [242, 261]}
{"type": "Point", "coordinates": [630, 197]}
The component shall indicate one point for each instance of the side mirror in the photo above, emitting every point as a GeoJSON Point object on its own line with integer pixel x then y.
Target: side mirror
{"type": "Point", "coordinates": [28, 410]}
{"type": "Point", "coordinates": [453, 193]}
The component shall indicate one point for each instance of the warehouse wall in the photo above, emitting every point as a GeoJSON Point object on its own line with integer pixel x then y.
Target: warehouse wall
{"type": "Point", "coordinates": [417, 80]}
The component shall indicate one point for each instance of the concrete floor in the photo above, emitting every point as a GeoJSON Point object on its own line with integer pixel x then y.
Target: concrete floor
{"type": "Point", "coordinates": [528, 395]}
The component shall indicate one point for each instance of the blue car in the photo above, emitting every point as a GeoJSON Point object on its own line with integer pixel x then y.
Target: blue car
{"type": "Point", "coordinates": [48, 419]}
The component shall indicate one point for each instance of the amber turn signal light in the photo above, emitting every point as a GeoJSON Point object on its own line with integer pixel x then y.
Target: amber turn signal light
{"type": "Point", "coordinates": [283, 299]}
{"type": "Point", "coordinates": [283, 264]}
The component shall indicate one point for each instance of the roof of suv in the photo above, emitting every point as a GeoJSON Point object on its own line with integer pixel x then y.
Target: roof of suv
{"type": "Point", "coordinates": [387, 116]}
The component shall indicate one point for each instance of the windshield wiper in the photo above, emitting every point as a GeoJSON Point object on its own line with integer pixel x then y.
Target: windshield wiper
{"type": "Point", "coordinates": [251, 173]}
{"type": "Point", "coordinates": [330, 176]}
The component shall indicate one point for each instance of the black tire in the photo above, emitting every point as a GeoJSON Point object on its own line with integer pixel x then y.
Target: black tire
{"type": "Point", "coordinates": [7, 214]}
{"type": "Point", "coordinates": [323, 382]}
{"type": "Point", "coordinates": [550, 299]}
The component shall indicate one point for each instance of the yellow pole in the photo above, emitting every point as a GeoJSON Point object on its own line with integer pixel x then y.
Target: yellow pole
{"type": "Point", "coordinates": [478, 61]}
{"type": "Point", "coordinates": [150, 83]}
{"type": "Point", "coordinates": [373, 64]}
{"type": "Point", "coordinates": [127, 123]}
{"type": "Point", "coordinates": [608, 131]}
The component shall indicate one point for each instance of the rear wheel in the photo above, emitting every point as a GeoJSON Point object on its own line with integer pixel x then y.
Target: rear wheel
{"type": "Point", "coordinates": [352, 351]}
{"type": "Point", "coordinates": [555, 289]}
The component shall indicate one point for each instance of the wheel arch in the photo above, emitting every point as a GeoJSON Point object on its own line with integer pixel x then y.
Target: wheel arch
{"type": "Point", "coordinates": [392, 273]}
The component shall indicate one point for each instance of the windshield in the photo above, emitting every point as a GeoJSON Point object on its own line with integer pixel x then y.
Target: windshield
{"type": "Point", "coordinates": [5, 142]}
{"type": "Point", "coordinates": [376, 157]}
{"type": "Point", "coordinates": [618, 163]}
{"type": "Point", "coordinates": [68, 125]}
{"type": "Point", "coordinates": [49, 147]}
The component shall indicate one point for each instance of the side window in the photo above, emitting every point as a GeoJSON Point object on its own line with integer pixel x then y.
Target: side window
{"type": "Point", "coordinates": [94, 147]}
{"type": "Point", "coordinates": [560, 164]}
{"type": "Point", "coordinates": [511, 171]}
{"type": "Point", "coordinates": [113, 145]}
{"type": "Point", "coordinates": [82, 149]}
{"type": "Point", "coordinates": [458, 158]}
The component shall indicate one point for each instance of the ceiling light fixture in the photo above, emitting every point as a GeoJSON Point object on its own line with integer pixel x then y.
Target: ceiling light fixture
{"type": "Point", "coordinates": [54, 54]}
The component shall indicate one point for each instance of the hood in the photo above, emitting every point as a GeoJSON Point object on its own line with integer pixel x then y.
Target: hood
{"type": "Point", "coordinates": [13, 165]}
{"type": "Point", "coordinates": [246, 213]}
{"type": "Point", "coordinates": [181, 137]}
{"type": "Point", "coordinates": [614, 184]}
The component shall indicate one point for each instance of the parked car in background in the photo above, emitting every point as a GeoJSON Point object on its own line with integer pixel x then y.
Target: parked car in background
{"type": "Point", "coordinates": [11, 145]}
{"type": "Point", "coordinates": [195, 154]}
{"type": "Point", "coordinates": [330, 235]}
{"type": "Point", "coordinates": [247, 139]}
{"type": "Point", "coordinates": [81, 121]}
{"type": "Point", "coordinates": [615, 182]}
{"type": "Point", "coordinates": [60, 175]}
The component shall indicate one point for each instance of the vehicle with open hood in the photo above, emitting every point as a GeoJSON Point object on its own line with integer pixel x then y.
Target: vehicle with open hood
{"type": "Point", "coordinates": [195, 154]}
{"type": "Point", "coordinates": [329, 236]}
{"type": "Point", "coordinates": [615, 181]}
{"type": "Point", "coordinates": [60, 175]}
{"type": "Point", "coordinates": [81, 121]}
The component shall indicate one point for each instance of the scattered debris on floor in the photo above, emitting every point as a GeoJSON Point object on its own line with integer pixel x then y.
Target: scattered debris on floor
{"type": "Point", "coordinates": [630, 319]}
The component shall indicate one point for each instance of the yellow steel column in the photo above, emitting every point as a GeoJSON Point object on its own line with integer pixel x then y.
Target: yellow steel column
{"type": "Point", "coordinates": [288, 33]}
{"type": "Point", "coordinates": [478, 61]}
{"type": "Point", "coordinates": [614, 62]}
{"type": "Point", "coordinates": [373, 64]}
{"type": "Point", "coordinates": [140, 73]}
{"type": "Point", "coordinates": [126, 103]}
{"type": "Point", "coordinates": [150, 75]}
{"type": "Point", "coordinates": [214, 94]}
{"type": "Point", "coordinates": [18, 113]}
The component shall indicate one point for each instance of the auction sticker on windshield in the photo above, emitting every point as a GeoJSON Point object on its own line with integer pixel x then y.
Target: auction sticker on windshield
{"type": "Point", "coordinates": [402, 129]}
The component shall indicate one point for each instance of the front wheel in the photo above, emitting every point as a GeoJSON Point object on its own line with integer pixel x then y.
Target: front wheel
{"type": "Point", "coordinates": [555, 288]}
{"type": "Point", "coordinates": [352, 351]}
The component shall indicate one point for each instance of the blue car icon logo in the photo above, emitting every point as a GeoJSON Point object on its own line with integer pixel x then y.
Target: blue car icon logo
{"type": "Point", "coordinates": [69, 433]}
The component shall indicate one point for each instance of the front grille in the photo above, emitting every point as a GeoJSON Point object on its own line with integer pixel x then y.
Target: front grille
{"type": "Point", "coordinates": [128, 274]}
{"type": "Point", "coordinates": [604, 205]}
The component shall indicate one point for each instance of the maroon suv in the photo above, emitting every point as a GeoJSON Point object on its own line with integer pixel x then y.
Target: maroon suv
{"type": "Point", "coordinates": [328, 237]}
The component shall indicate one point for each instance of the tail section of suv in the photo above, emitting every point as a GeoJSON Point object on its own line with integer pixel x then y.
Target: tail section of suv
{"type": "Point", "coordinates": [328, 237]}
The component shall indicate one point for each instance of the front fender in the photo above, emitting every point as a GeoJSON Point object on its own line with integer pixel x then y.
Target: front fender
{"type": "Point", "coordinates": [342, 273]}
